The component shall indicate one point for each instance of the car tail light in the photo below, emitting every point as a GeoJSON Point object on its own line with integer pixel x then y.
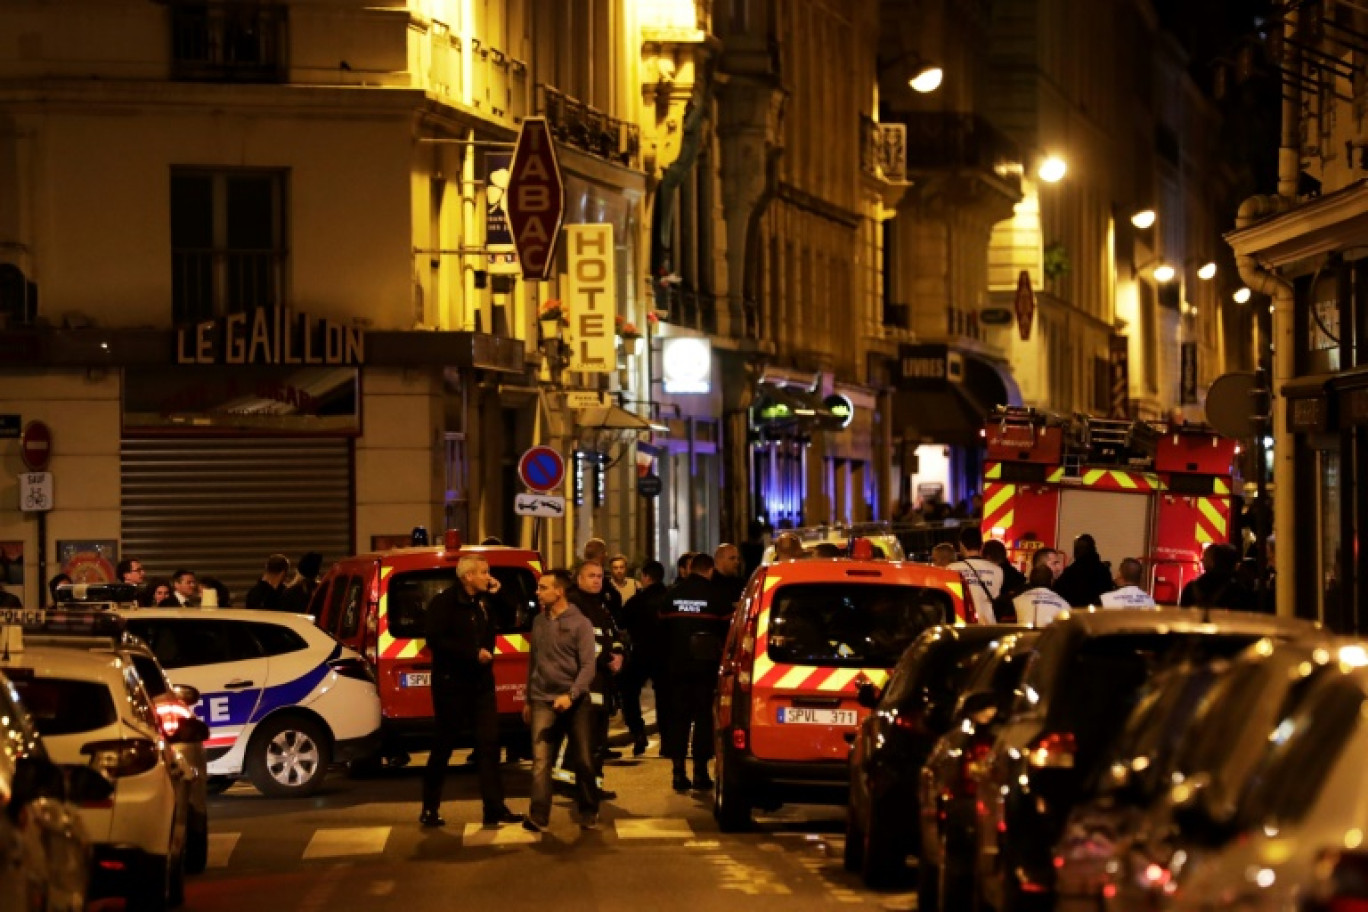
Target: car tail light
{"type": "Point", "coordinates": [971, 764]}
{"type": "Point", "coordinates": [1342, 883]}
{"type": "Point", "coordinates": [128, 757]}
{"type": "Point", "coordinates": [1056, 750]}
{"type": "Point", "coordinates": [171, 713]}
{"type": "Point", "coordinates": [909, 721]}
{"type": "Point", "coordinates": [353, 667]}
{"type": "Point", "coordinates": [739, 738]}
{"type": "Point", "coordinates": [745, 654]}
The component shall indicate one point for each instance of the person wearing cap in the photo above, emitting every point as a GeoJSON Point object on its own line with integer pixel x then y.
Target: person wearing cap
{"type": "Point", "coordinates": [299, 593]}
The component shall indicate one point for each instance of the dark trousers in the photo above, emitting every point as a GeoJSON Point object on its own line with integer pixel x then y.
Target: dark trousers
{"type": "Point", "coordinates": [459, 708]}
{"type": "Point", "coordinates": [599, 714]}
{"type": "Point", "coordinates": [549, 729]}
{"type": "Point", "coordinates": [690, 695]}
{"type": "Point", "coordinates": [629, 683]}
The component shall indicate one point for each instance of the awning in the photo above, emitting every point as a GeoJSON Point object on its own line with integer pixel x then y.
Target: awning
{"type": "Point", "coordinates": [613, 418]}
{"type": "Point", "coordinates": [776, 404]}
{"type": "Point", "coordinates": [954, 412]}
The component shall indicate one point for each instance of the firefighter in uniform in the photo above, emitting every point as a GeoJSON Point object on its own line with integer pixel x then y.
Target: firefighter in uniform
{"type": "Point", "coordinates": [590, 598]}
{"type": "Point", "coordinates": [693, 627]}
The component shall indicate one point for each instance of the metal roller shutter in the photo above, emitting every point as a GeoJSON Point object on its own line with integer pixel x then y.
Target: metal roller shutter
{"type": "Point", "coordinates": [1119, 522]}
{"type": "Point", "coordinates": [220, 506]}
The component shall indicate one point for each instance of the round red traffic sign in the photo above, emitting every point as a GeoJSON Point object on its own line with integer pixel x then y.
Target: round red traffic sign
{"type": "Point", "coordinates": [542, 469]}
{"type": "Point", "coordinates": [35, 446]}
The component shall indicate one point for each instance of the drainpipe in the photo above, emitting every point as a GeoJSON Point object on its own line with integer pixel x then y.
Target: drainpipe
{"type": "Point", "coordinates": [1264, 280]}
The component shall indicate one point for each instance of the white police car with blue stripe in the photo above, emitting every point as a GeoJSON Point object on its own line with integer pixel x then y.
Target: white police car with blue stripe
{"type": "Point", "coordinates": [283, 699]}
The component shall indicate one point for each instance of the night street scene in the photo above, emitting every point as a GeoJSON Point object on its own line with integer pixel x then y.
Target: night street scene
{"type": "Point", "coordinates": [683, 455]}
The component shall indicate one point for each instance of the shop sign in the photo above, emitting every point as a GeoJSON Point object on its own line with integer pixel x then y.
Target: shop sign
{"type": "Point", "coordinates": [276, 335]}
{"type": "Point", "coordinates": [841, 409]}
{"type": "Point", "coordinates": [1119, 364]}
{"type": "Point", "coordinates": [1306, 415]}
{"type": "Point", "coordinates": [930, 365]}
{"type": "Point", "coordinates": [499, 249]}
{"type": "Point", "coordinates": [590, 299]}
{"type": "Point", "coordinates": [1024, 305]}
{"type": "Point", "coordinates": [1187, 393]}
{"type": "Point", "coordinates": [686, 364]}
{"type": "Point", "coordinates": [536, 198]}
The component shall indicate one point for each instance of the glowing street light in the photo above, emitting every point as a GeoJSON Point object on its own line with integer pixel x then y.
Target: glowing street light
{"type": "Point", "coordinates": [1052, 169]}
{"type": "Point", "coordinates": [1207, 272]}
{"type": "Point", "coordinates": [927, 80]}
{"type": "Point", "coordinates": [1144, 219]}
{"type": "Point", "coordinates": [1164, 273]}
{"type": "Point", "coordinates": [1242, 295]}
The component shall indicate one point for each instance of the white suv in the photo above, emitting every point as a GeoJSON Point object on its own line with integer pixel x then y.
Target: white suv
{"type": "Point", "coordinates": [283, 700]}
{"type": "Point", "coordinates": [91, 709]}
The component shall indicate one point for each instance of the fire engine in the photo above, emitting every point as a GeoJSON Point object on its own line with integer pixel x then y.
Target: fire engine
{"type": "Point", "coordinates": [1141, 489]}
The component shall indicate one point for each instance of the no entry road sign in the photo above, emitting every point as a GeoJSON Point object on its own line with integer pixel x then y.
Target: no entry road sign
{"type": "Point", "coordinates": [541, 469]}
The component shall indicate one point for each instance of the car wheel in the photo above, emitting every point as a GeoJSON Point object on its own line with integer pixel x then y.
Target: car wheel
{"type": "Point", "coordinates": [217, 785]}
{"type": "Point", "coordinates": [884, 859]}
{"type": "Point", "coordinates": [288, 757]}
{"type": "Point", "coordinates": [853, 856]}
{"type": "Point", "coordinates": [731, 808]}
{"type": "Point", "coordinates": [196, 843]}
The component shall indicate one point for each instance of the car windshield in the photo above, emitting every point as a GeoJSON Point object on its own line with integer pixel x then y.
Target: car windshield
{"type": "Point", "coordinates": [851, 625]}
{"type": "Point", "coordinates": [64, 707]}
{"type": "Point", "coordinates": [409, 594]}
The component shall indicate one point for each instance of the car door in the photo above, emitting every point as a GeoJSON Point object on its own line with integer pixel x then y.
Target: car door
{"type": "Point", "coordinates": [219, 658]}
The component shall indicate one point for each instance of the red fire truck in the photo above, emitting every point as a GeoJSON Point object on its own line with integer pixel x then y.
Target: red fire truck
{"type": "Point", "coordinates": [1141, 489]}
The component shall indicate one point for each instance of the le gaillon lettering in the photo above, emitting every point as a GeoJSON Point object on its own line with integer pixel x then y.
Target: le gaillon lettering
{"type": "Point", "coordinates": [270, 336]}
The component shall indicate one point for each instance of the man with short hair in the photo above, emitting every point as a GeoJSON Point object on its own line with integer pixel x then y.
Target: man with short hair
{"type": "Point", "coordinates": [728, 573]}
{"type": "Point", "coordinates": [459, 629]}
{"type": "Point", "coordinates": [130, 571]}
{"type": "Point", "coordinates": [596, 550]}
{"type": "Point", "coordinates": [1128, 593]}
{"type": "Point", "coordinates": [1049, 557]}
{"type": "Point", "coordinates": [560, 670]}
{"type": "Point", "coordinates": [268, 590]}
{"type": "Point", "coordinates": [982, 578]}
{"type": "Point", "coordinates": [943, 555]}
{"type": "Point", "coordinates": [590, 596]}
{"type": "Point", "coordinates": [617, 575]}
{"type": "Point", "coordinates": [184, 591]}
{"type": "Point", "coordinates": [298, 594]}
{"type": "Point", "coordinates": [788, 546]}
{"type": "Point", "coordinates": [1039, 605]}
{"type": "Point", "coordinates": [1087, 577]}
{"type": "Point", "coordinates": [682, 566]}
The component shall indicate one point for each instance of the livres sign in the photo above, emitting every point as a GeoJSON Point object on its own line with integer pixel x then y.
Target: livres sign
{"type": "Point", "coordinates": [270, 336]}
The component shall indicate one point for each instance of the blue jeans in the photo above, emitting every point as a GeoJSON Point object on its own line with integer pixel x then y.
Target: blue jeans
{"type": "Point", "coordinates": [549, 728]}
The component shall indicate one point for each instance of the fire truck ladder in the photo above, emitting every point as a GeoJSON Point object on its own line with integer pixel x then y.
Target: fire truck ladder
{"type": "Point", "coordinates": [1098, 441]}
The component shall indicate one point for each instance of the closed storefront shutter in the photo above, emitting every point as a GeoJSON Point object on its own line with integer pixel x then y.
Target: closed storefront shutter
{"type": "Point", "coordinates": [220, 506]}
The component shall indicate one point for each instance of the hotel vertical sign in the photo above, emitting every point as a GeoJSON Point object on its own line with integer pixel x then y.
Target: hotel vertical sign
{"type": "Point", "coordinates": [590, 297]}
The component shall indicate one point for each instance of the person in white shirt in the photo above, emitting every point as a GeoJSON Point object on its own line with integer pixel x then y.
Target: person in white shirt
{"type": "Point", "coordinates": [1040, 604]}
{"type": "Point", "coordinates": [1128, 593]}
{"type": "Point", "coordinates": [982, 578]}
{"type": "Point", "coordinates": [624, 584]}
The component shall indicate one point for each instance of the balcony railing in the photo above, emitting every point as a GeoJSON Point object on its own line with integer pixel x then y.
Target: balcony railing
{"type": "Point", "coordinates": [944, 139]}
{"type": "Point", "coordinates": [228, 42]}
{"type": "Point", "coordinates": [587, 128]}
{"type": "Point", "coordinates": [208, 283]}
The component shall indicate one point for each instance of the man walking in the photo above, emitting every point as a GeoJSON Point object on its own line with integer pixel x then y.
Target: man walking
{"type": "Point", "coordinates": [268, 590]}
{"type": "Point", "coordinates": [560, 667]}
{"type": "Point", "coordinates": [694, 626]}
{"type": "Point", "coordinates": [641, 621]}
{"type": "Point", "coordinates": [459, 628]}
{"type": "Point", "coordinates": [590, 596]}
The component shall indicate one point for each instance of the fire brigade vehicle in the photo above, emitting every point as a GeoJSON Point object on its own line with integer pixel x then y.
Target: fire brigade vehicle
{"type": "Point", "coordinates": [1157, 493]}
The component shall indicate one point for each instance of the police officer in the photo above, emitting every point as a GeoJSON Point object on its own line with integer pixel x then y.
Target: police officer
{"type": "Point", "coordinates": [459, 628]}
{"type": "Point", "coordinates": [590, 598]}
{"type": "Point", "coordinates": [693, 628]}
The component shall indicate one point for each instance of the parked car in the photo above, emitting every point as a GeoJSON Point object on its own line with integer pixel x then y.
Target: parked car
{"type": "Point", "coordinates": [880, 537]}
{"type": "Point", "coordinates": [44, 848]}
{"type": "Point", "coordinates": [1089, 668]}
{"type": "Point", "coordinates": [805, 635]}
{"type": "Point", "coordinates": [895, 739]}
{"type": "Point", "coordinates": [282, 699]}
{"type": "Point", "coordinates": [1124, 846]}
{"type": "Point", "coordinates": [375, 604]}
{"type": "Point", "coordinates": [1295, 838]}
{"type": "Point", "coordinates": [949, 775]}
{"type": "Point", "coordinates": [92, 709]}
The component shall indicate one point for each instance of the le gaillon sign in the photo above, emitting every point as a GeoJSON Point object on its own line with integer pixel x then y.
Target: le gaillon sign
{"type": "Point", "coordinates": [275, 335]}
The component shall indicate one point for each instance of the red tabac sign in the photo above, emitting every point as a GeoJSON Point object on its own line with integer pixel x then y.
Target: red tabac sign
{"type": "Point", "coordinates": [1025, 305]}
{"type": "Point", "coordinates": [536, 199]}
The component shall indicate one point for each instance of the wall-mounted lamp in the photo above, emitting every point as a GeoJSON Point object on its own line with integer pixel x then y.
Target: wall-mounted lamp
{"type": "Point", "coordinates": [1242, 295]}
{"type": "Point", "coordinates": [1164, 273]}
{"type": "Point", "coordinates": [1052, 169]}
{"type": "Point", "coordinates": [1206, 272]}
{"type": "Point", "coordinates": [1143, 219]}
{"type": "Point", "coordinates": [928, 79]}
{"type": "Point", "coordinates": [923, 75]}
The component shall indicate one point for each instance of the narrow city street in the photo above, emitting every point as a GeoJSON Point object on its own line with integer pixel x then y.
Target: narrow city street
{"type": "Point", "coordinates": [358, 844]}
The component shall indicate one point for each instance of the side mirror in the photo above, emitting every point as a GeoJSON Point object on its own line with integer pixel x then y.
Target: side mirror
{"type": "Point", "coordinates": [869, 694]}
{"type": "Point", "coordinates": [34, 778]}
{"type": "Point", "coordinates": [189, 731]}
{"type": "Point", "coordinates": [187, 694]}
{"type": "Point", "coordinates": [85, 786]}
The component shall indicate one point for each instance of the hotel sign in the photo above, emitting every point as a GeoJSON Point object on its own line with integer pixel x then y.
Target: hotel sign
{"type": "Point", "coordinates": [270, 336]}
{"type": "Point", "coordinates": [591, 283]}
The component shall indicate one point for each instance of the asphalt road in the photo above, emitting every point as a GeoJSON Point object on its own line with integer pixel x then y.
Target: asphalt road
{"type": "Point", "coordinates": [357, 845]}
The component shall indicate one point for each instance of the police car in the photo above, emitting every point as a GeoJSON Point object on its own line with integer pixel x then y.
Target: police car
{"type": "Point", "coordinates": [283, 700]}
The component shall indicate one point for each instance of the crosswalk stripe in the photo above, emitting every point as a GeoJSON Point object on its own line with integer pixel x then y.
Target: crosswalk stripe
{"type": "Point", "coordinates": [333, 843]}
{"type": "Point", "coordinates": [653, 828]}
{"type": "Point", "coordinates": [476, 835]}
{"type": "Point", "coordinates": [221, 847]}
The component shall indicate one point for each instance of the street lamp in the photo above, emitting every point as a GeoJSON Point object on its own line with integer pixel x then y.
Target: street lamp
{"type": "Point", "coordinates": [1164, 273]}
{"type": "Point", "coordinates": [1052, 169]}
{"type": "Point", "coordinates": [928, 79]}
{"type": "Point", "coordinates": [1242, 295]}
{"type": "Point", "coordinates": [1206, 272]}
{"type": "Point", "coordinates": [1143, 219]}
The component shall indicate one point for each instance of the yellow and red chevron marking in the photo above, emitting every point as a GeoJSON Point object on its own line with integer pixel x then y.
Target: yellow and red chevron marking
{"type": "Point", "coordinates": [992, 470]}
{"type": "Point", "coordinates": [1120, 480]}
{"type": "Point", "coordinates": [511, 643]}
{"type": "Point", "coordinates": [998, 508]}
{"type": "Point", "coordinates": [1213, 519]}
{"type": "Point", "coordinates": [1056, 475]}
{"type": "Point", "coordinates": [822, 680]}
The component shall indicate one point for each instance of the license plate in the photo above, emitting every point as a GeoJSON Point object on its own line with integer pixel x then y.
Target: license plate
{"type": "Point", "coordinates": [799, 715]}
{"type": "Point", "coordinates": [416, 679]}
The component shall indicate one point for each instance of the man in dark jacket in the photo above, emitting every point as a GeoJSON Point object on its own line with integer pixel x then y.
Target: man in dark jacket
{"type": "Point", "coordinates": [641, 622]}
{"type": "Point", "coordinates": [693, 628]}
{"type": "Point", "coordinates": [591, 599]}
{"type": "Point", "coordinates": [298, 594]}
{"type": "Point", "coordinates": [268, 590]}
{"type": "Point", "coordinates": [459, 627]}
{"type": "Point", "coordinates": [1219, 586]}
{"type": "Point", "coordinates": [1086, 578]}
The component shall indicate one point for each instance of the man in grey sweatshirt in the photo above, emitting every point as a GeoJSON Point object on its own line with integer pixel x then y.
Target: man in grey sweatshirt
{"type": "Point", "coordinates": [560, 668]}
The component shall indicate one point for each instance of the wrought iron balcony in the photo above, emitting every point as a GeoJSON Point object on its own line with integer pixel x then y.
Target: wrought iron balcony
{"type": "Point", "coordinates": [587, 128]}
{"type": "Point", "coordinates": [228, 41]}
{"type": "Point", "coordinates": [944, 139]}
